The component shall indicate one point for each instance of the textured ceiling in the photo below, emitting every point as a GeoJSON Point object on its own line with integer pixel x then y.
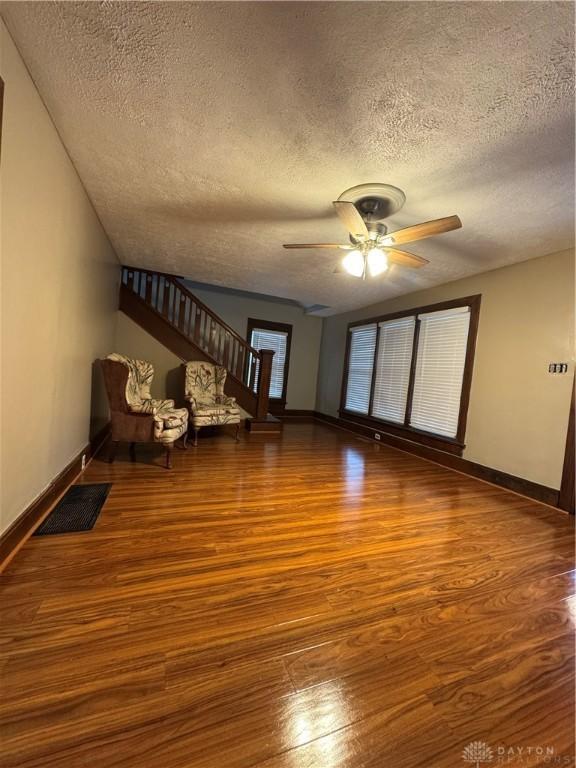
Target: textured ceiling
{"type": "Point", "coordinates": [207, 134]}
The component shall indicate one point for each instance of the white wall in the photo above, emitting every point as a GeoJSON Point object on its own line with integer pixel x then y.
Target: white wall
{"type": "Point", "coordinates": [518, 414]}
{"type": "Point", "coordinates": [59, 295]}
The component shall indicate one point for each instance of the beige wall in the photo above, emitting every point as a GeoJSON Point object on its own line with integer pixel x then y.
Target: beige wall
{"type": "Point", "coordinates": [59, 295]}
{"type": "Point", "coordinates": [518, 412]}
{"type": "Point", "coordinates": [133, 341]}
{"type": "Point", "coordinates": [235, 311]}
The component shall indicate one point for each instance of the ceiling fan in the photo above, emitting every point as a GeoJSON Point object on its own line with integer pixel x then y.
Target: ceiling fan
{"type": "Point", "coordinates": [372, 248]}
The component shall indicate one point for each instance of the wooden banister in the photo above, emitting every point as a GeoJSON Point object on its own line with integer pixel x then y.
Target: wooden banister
{"type": "Point", "coordinates": [187, 315]}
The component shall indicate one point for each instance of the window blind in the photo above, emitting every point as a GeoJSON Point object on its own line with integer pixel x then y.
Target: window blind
{"type": "Point", "coordinates": [441, 356]}
{"type": "Point", "coordinates": [276, 340]}
{"type": "Point", "coordinates": [360, 367]}
{"type": "Point", "coordinates": [394, 359]}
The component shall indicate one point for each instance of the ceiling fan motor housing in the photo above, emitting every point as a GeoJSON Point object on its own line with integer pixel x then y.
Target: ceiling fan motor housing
{"type": "Point", "coordinates": [375, 202]}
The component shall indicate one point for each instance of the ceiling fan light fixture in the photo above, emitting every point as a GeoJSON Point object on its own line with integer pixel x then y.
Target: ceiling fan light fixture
{"type": "Point", "coordinates": [377, 262]}
{"type": "Point", "coordinates": [353, 263]}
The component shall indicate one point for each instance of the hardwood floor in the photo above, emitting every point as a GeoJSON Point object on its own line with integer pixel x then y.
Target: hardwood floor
{"type": "Point", "coordinates": [309, 601]}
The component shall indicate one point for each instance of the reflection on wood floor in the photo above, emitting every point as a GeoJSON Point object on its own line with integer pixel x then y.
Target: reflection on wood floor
{"type": "Point", "coordinates": [308, 601]}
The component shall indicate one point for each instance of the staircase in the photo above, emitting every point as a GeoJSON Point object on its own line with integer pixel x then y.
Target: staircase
{"type": "Point", "coordinates": [169, 312]}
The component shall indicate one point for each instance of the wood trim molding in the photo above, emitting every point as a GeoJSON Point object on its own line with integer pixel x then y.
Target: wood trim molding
{"type": "Point", "coordinates": [24, 526]}
{"type": "Point", "coordinates": [566, 499]}
{"type": "Point", "coordinates": [513, 483]}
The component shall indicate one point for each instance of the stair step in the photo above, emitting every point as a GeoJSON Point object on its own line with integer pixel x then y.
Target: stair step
{"type": "Point", "coordinates": [269, 424]}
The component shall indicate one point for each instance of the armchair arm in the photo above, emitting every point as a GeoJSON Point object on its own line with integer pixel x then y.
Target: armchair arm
{"type": "Point", "coordinates": [191, 400]}
{"type": "Point", "coordinates": [132, 427]}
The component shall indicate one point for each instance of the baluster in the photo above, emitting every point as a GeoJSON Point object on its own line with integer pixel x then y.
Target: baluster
{"type": "Point", "coordinates": [166, 299]}
{"type": "Point", "coordinates": [136, 281]}
{"type": "Point", "coordinates": [188, 315]}
{"type": "Point", "coordinates": [220, 339]}
{"type": "Point", "coordinates": [234, 357]}
{"type": "Point", "coordinates": [213, 331]}
{"type": "Point", "coordinates": [197, 325]}
{"type": "Point", "coordinates": [206, 335]}
{"type": "Point", "coordinates": [176, 306]}
{"type": "Point", "coordinates": [181, 312]}
{"type": "Point", "coordinates": [192, 323]}
{"type": "Point", "coordinates": [241, 363]}
{"type": "Point", "coordinates": [228, 351]}
{"type": "Point", "coordinates": [148, 289]}
{"type": "Point", "coordinates": [224, 347]}
{"type": "Point", "coordinates": [155, 297]}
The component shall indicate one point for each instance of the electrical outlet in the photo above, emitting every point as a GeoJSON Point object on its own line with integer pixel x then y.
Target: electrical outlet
{"type": "Point", "coordinates": [376, 436]}
{"type": "Point", "coordinates": [83, 462]}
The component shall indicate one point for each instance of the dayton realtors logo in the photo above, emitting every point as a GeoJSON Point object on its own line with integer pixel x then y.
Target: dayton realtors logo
{"type": "Point", "coordinates": [477, 753]}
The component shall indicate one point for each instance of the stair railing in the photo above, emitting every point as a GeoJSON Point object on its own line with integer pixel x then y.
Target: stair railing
{"type": "Point", "coordinates": [178, 306]}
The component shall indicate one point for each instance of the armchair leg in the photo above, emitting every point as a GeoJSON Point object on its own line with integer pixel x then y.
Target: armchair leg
{"type": "Point", "coordinates": [132, 451]}
{"type": "Point", "coordinates": [196, 437]}
{"type": "Point", "coordinates": [185, 440]}
{"type": "Point", "coordinates": [169, 456]}
{"type": "Point", "coordinates": [237, 435]}
{"type": "Point", "coordinates": [112, 452]}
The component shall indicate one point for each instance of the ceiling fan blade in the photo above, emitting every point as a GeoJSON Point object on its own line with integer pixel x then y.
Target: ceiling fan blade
{"type": "Point", "coordinates": [349, 216]}
{"type": "Point", "coordinates": [319, 245]}
{"type": "Point", "coordinates": [420, 231]}
{"type": "Point", "coordinates": [405, 259]}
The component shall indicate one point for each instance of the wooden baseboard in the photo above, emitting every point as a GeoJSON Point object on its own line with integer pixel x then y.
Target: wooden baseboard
{"type": "Point", "coordinates": [25, 525]}
{"type": "Point", "coordinates": [513, 483]}
{"type": "Point", "coordinates": [294, 415]}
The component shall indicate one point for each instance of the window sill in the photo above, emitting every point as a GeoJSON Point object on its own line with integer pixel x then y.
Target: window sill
{"type": "Point", "coordinates": [441, 443]}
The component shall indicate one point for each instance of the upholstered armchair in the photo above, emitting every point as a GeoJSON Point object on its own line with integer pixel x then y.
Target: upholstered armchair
{"type": "Point", "coordinates": [204, 392]}
{"type": "Point", "coordinates": [136, 417]}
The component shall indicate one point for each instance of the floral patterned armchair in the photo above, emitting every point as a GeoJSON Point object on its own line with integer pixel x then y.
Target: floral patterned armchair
{"type": "Point", "coordinates": [136, 417]}
{"type": "Point", "coordinates": [204, 392]}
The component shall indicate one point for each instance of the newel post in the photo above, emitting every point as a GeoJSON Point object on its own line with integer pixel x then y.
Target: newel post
{"type": "Point", "coordinates": [264, 375]}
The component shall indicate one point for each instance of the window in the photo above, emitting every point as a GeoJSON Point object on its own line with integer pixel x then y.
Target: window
{"type": "Point", "coordinates": [276, 336]}
{"type": "Point", "coordinates": [413, 371]}
{"type": "Point", "coordinates": [393, 363]}
{"type": "Point", "coordinates": [360, 363]}
{"type": "Point", "coordinates": [440, 360]}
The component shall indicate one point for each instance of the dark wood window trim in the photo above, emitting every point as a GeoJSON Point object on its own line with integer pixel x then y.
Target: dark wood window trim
{"type": "Point", "coordinates": [454, 445]}
{"type": "Point", "coordinates": [277, 404]}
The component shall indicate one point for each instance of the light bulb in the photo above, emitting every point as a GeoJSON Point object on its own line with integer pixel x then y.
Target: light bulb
{"type": "Point", "coordinates": [353, 263]}
{"type": "Point", "coordinates": [377, 261]}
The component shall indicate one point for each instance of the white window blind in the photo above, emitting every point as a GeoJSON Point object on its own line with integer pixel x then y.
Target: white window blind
{"type": "Point", "coordinates": [360, 366]}
{"type": "Point", "coordinates": [394, 359]}
{"type": "Point", "coordinates": [278, 341]}
{"type": "Point", "coordinates": [441, 356]}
